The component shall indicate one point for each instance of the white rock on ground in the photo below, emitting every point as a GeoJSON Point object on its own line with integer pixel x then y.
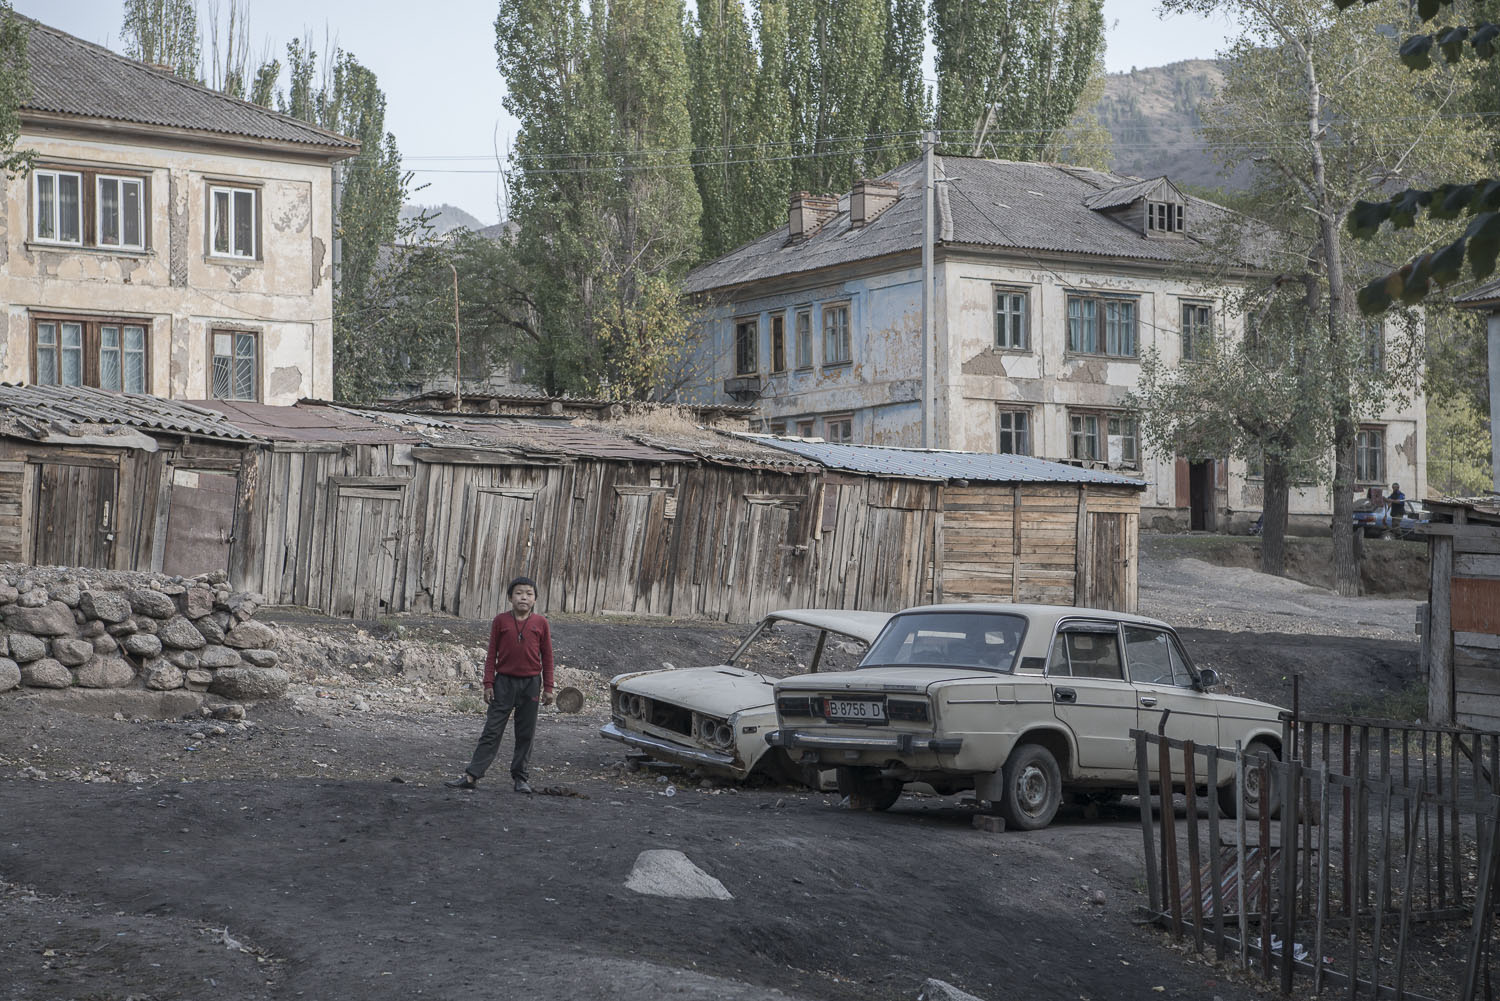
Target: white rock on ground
{"type": "Point", "coordinates": [665, 873]}
{"type": "Point", "coordinates": [941, 990]}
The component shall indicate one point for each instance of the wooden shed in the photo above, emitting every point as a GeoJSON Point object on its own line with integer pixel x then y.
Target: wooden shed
{"type": "Point", "coordinates": [1461, 638]}
{"type": "Point", "coordinates": [368, 512]}
{"type": "Point", "coordinates": [89, 478]}
{"type": "Point", "coordinates": [981, 526]}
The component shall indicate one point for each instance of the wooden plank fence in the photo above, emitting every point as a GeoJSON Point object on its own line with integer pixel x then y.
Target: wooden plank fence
{"type": "Point", "coordinates": [1383, 841]}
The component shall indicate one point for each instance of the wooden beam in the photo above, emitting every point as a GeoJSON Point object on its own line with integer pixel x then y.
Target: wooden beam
{"type": "Point", "coordinates": [1440, 634]}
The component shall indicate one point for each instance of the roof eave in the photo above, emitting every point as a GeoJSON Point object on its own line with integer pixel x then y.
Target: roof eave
{"type": "Point", "coordinates": [114, 128]}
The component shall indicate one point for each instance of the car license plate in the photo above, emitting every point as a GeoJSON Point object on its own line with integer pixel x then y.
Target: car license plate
{"type": "Point", "coordinates": [855, 710]}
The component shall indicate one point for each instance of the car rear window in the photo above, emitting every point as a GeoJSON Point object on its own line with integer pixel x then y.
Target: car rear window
{"type": "Point", "coordinates": [985, 640]}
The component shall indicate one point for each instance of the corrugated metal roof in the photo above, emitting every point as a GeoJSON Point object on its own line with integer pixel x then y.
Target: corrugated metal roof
{"type": "Point", "coordinates": [1485, 294]}
{"type": "Point", "coordinates": [1040, 207]}
{"type": "Point", "coordinates": [933, 464]}
{"type": "Point", "coordinates": [1124, 194]}
{"type": "Point", "coordinates": [33, 410]}
{"type": "Point", "coordinates": [72, 77]}
{"type": "Point", "coordinates": [561, 437]}
{"type": "Point", "coordinates": [310, 423]}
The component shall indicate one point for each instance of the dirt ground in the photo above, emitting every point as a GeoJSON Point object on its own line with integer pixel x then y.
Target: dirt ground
{"type": "Point", "coordinates": [310, 851]}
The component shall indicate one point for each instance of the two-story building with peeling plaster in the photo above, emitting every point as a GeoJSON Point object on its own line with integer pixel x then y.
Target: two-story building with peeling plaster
{"type": "Point", "coordinates": [168, 239]}
{"type": "Point", "coordinates": [1050, 283]}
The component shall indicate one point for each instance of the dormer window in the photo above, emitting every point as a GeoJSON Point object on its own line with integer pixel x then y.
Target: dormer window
{"type": "Point", "coordinates": [1165, 217]}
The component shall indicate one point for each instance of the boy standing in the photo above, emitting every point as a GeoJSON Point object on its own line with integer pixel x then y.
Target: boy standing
{"type": "Point", "coordinates": [517, 676]}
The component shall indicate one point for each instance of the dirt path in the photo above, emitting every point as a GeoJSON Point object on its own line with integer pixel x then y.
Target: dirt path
{"type": "Point", "coordinates": [311, 852]}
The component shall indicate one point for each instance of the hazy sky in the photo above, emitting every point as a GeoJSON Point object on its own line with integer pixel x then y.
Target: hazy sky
{"type": "Point", "coordinates": [426, 53]}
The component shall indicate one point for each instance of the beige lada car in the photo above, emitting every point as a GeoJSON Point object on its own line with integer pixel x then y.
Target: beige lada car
{"type": "Point", "coordinates": [1020, 703]}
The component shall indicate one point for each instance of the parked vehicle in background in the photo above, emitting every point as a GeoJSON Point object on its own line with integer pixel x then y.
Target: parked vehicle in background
{"type": "Point", "coordinates": [1020, 703]}
{"type": "Point", "coordinates": [1377, 521]}
{"type": "Point", "coordinates": [715, 718]}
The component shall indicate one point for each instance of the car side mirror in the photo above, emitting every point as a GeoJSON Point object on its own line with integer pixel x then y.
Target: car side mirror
{"type": "Point", "coordinates": [1207, 678]}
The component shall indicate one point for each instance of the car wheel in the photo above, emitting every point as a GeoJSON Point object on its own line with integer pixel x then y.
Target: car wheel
{"type": "Point", "coordinates": [867, 789]}
{"type": "Point", "coordinates": [1229, 804]}
{"type": "Point", "coordinates": [1033, 788]}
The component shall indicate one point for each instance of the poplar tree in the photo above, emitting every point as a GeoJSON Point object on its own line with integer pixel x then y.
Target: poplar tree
{"type": "Point", "coordinates": [834, 59]}
{"type": "Point", "coordinates": [721, 59]}
{"type": "Point", "coordinates": [607, 216]}
{"type": "Point", "coordinates": [903, 109]}
{"type": "Point", "coordinates": [163, 33]}
{"type": "Point", "coordinates": [15, 85]}
{"type": "Point", "coordinates": [1010, 72]}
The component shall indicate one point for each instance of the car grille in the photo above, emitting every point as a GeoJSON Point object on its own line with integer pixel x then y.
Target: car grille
{"type": "Point", "coordinates": [907, 710]}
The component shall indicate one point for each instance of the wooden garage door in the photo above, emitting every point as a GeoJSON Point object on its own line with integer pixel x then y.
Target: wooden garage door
{"type": "Point", "coordinates": [75, 513]}
{"type": "Point", "coordinates": [366, 531]}
{"type": "Point", "coordinates": [498, 545]}
{"type": "Point", "coordinates": [200, 522]}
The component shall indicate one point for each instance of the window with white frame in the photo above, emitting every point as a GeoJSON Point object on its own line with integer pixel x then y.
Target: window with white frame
{"type": "Point", "coordinates": [105, 354]}
{"type": "Point", "coordinates": [122, 357]}
{"type": "Point", "coordinates": [236, 365]}
{"type": "Point", "coordinates": [1123, 441]}
{"type": "Point", "coordinates": [1102, 325]}
{"type": "Point", "coordinates": [804, 338]}
{"type": "Point", "coordinates": [1369, 456]}
{"type": "Point", "coordinates": [1374, 334]}
{"type": "Point", "coordinates": [1106, 437]}
{"type": "Point", "coordinates": [1083, 433]}
{"type": "Point", "coordinates": [1165, 217]}
{"type": "Point", "coordinates": [1197, 329]}
{"type": "Point", "coordinates": [232, 221]}
{"type": "Point", "coordinates": [1011, 315]}
{"type": "Point", "coordinates": [120, 212]}
{"type": "Point", "coordinates": [839, 428]}
{"type": "Point", "coordinates": [1013, 432]}
{"type": "Point", "coordinates": [836, 334]}
{"type": "Point", "coordinates": [57, 206]}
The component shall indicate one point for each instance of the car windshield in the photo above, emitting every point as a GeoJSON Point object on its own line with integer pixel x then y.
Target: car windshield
{"type": "Point", "coordinates": [985, 640]}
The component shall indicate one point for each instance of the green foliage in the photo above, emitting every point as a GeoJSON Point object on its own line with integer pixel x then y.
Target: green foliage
{"type": "Point", "coordinates": [165, 33]}
{"type": "Point", "coordinates": [1010, 72]}
{"type": "Point", "coordinates": [1478, 201]}
{"type": "Point", "coordinates": [1458, 447]}
{"type": "Point", "coordinates": [607, 218]}
{"type": "Point", "coordinates": [1084, 142]}
{"type": "Point", "coordinates": [15, 85]}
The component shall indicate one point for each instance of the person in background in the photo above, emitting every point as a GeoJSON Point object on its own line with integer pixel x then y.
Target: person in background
{"type": "Point", "coordinates": [517, 677]}
{"type": "Point", "coordinates": [1397, 501]}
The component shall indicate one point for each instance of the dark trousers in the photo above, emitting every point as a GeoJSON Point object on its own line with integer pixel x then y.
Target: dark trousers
{"type": "Point", "coordinates": [521, 695]}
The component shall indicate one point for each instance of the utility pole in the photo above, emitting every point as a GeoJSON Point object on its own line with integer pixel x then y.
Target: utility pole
{"type": "Point", "coordinates": [929, 352]}
{"type": "Point", "coordinates": [1494, 345]}
{"type": "Point", "coordinates": [458, 347]}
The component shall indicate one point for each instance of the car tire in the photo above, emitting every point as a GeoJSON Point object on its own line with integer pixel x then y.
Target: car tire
{"type": "Point", "coordinates": [1229, 803]}
{"type": "Point", "coordinates": [867, 789]}
{"type": "Point", "coordinates": [1033, 788]}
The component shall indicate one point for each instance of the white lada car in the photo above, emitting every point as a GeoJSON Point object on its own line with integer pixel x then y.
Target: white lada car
{"type": "Point", "coordinates": [1017, 702]}
{"type": "Point", "coordinates": [715, 719]}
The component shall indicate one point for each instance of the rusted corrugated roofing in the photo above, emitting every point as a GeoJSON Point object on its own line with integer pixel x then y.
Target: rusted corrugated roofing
{"type": "Point", "coordinates": [932, 464]}
{"type": "Point", "coordinates": [69, 76]}
{"type": "Point", "coordinates": [33, 411]}
{"type": "Point", "coordinates": [561, 437]}
{"type": "Point", "coordinates": [310, 424]}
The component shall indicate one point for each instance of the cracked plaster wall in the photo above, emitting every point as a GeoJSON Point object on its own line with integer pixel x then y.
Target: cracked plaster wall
{"type": "Point", "coordinates": [283, 296]}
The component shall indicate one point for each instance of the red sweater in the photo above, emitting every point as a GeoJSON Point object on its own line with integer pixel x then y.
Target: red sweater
{"type": "Point", "coordinates": [519, 649]}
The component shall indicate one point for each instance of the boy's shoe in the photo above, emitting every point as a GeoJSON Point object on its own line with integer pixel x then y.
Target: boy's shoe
{"type": "Point", "coordinates": [521, 786]}
{"type": "Point", "coordinates": [466, 782]}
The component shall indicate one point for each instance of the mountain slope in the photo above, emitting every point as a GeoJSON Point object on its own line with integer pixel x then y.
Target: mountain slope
{"type": "Point", "coordinates": [1154, 114]}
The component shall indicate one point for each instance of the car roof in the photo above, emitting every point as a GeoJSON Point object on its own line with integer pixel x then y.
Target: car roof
{"type": "Point", "coordinates": [1040, 614]}
{"type": "Point", "coordinates": [860, 624]}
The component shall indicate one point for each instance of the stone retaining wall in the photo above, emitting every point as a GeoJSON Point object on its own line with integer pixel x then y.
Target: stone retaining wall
{"type": "Point", "coordinates": [97, 629]}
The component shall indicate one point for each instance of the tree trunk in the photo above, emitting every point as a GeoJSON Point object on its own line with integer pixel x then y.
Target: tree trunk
{"type": "Point", "coordinates": [1345, 563]}
{"type": "Point", "coordinates": [1273, 518]}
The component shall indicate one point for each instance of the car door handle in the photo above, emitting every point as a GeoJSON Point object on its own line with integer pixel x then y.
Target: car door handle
{"type": "Point", "coordinates": [1067, 695]}
{"type": "Point", "coordinates": [1148, 701]}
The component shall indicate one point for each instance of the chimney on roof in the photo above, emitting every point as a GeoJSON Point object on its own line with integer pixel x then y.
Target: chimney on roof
{"type": "Point", "coordinates": [808, 213]}
{"type": "Point", "coordinates": [869, 199]}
